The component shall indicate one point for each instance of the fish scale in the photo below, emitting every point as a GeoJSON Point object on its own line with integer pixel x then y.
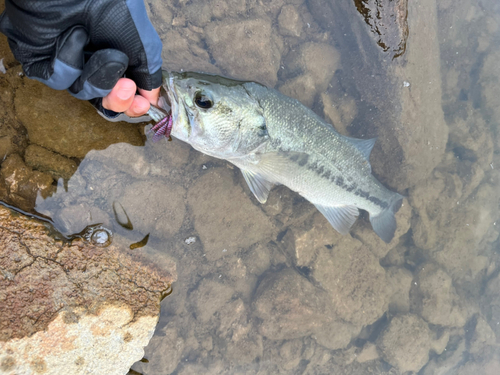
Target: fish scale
{"type": "Point", "coordinates": [274, 140]}
{"type": "Point", "coordinates": [334, 153]}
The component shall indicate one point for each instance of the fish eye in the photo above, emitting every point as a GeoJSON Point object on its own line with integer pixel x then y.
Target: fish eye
{"type": "Point", "coordinates": [202, 100]}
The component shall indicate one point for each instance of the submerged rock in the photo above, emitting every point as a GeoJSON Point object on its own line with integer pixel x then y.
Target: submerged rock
{"type": "Point", "coordinates": [77, 307]}
{"type": "Point", "coordinates": [483, 336]}
{"type": "Point", "coordinates": [355, 281]}
{"type": "Point", "coordinates": [316, 64]}
{"type": "Point", "coordinates": [49, 162]}
{"type": "Point", "coordinates": [289, 306]}
{"type": "Point", "coordinates": [289, 21]}
{"type": "Point", "coordinates": [22, 184]}
{"type": "Point", "coordinates": [224, 215]}
{"type": "Point", "coordinates": [406, 342]}
{"type": "Point", "coordinates": [245, 49]}
{"type": "Point", "coordinates": [434, 298]}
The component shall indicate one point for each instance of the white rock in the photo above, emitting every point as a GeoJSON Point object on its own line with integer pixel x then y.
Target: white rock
{"type": "Point", "coordinates": [106, 343]}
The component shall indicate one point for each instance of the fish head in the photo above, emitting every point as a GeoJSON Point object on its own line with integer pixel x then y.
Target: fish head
{"type": "Point", "coordinates": [215, 115]}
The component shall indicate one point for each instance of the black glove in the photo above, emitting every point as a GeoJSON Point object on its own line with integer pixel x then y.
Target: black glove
{"type": "Point", "coordinates": [84, 46]}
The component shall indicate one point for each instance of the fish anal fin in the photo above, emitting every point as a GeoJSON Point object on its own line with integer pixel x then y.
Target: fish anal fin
{"type": "Point", "coordinates": [340, 217]}
{"type": "Point", "coordinates": [259, 186]}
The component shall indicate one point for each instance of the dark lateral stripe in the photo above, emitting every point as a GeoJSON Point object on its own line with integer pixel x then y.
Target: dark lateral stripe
{"type": "Point", "coordinates": [371, 198]}
{"type": "Point", "coordinates": [338, 180]}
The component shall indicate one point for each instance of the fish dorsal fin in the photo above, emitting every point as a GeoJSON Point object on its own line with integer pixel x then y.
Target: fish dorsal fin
{"type": "Point", "coordinates": [259, 186]}
{"type": "Point", "coordinates": [363, 145]}
{"type": "Point", "coordinates": [340, 217]}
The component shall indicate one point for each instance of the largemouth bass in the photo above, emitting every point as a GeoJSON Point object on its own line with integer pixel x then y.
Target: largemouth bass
{"type": "Point", "coordinates": [274, 140]}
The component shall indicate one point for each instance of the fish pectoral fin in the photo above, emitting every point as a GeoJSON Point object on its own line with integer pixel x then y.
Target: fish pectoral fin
{"type": "Point", "coordinates": [340, 217]}
{"type": "Point", "coordinates": [259, 186]}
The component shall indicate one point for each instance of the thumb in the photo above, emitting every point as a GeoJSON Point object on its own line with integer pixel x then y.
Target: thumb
{"type": "Point", "coordinates": [100, 74]}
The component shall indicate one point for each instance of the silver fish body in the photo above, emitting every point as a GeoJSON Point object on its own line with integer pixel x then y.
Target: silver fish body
{"type": "Point", "coordinates": [275, 139]}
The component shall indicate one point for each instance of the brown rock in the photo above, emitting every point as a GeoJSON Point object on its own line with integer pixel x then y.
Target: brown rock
{"type": "Point", "coordinates": [490, 82]}
{"type": "Point", "coordinates": [289, 21]}
{"type": "Point", "coordinates": [340, 113]}
{"type": "Point", "coordinates": [5, 52]}
{"type": "Point", "coordinates": [354, 280]}
{"type": "Point", "coordinates": [168, 341]}
{"type": "Point", "coordinates": [47, 161]}
{"type": "Point", "coordinates": [400, 282]}
{"type": "Point", "coordinates": [316, 63]}
{"type": "Point", "coordinates": [71, 127]}
{"type": "Point", "coordinates": [369, 353]}
{"type": "Point", "coordinates": [302, 88]}
{"type": "Point", "coordinates": [12, 134]}
{"type": "Point", "coordinates": [405, 344]}
{"type": "Point", "coordinates": [209, 298]}
{"type": "Point", "coordinates": [153, 159]}
{"type": "Point", "coordinates": [491, 304]}
{"type": "Point", "coordinates": [289, 307]}
{"type": "Point", "coordinates": [47, 286]}
{"type": "Point", "coordinates": [309, 243]}
{"type": "Point", "coordinates": [22, 184]}
{"type": "Point", "coordinates": [244, 49]}
{"type": "Point", "coordinates": [224, 216]}
{"type": "Point", "coordinates": [453, 223]}
{"type": "Point", "coordinates": [179, 53]}
{"type": "Point", "coordinates": [244, 344]}
{"type": "Point", "coordinates": [483, 336]}
{"type": "Point", "coordinates": [227, 8]}
{"type": "Point", "coordinates": [291, 353]}
{"type": "Point", "coordinates": [433, 297]}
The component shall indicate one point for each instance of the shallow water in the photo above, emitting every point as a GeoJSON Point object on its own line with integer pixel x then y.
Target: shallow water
{"type": "Point", "coordinates": [268, 289]}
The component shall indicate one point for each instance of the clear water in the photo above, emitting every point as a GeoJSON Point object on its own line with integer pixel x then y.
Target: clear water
{"type": "Point", "coordinates": [273, 289]}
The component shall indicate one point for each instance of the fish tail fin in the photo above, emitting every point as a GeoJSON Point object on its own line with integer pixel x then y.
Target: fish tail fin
{"type": "Point", "coordinates": [384, 224]}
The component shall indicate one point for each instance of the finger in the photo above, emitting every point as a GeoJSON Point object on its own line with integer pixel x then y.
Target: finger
{"type": "Point", "coordinates": [121, 96]}
{"type": "Point", "coordinates": [139, 107]}
{"type": "Point", "coordinates": [151, 95]}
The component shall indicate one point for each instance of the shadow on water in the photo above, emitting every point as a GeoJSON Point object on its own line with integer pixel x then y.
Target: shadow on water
{"type": "Point", "coordinates": [273, 289]}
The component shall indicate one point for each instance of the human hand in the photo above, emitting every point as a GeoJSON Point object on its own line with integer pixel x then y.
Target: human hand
{"type": "Point", "coordinates": [87, 47]}
{"type": "Point", "coordinates": [123, 98]}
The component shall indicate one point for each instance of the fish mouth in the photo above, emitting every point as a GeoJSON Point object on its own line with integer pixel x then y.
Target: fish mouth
{"type": "Point", "coordinates": [169, 114]}
{"type": "Point", "coordinates": [177, 112]}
